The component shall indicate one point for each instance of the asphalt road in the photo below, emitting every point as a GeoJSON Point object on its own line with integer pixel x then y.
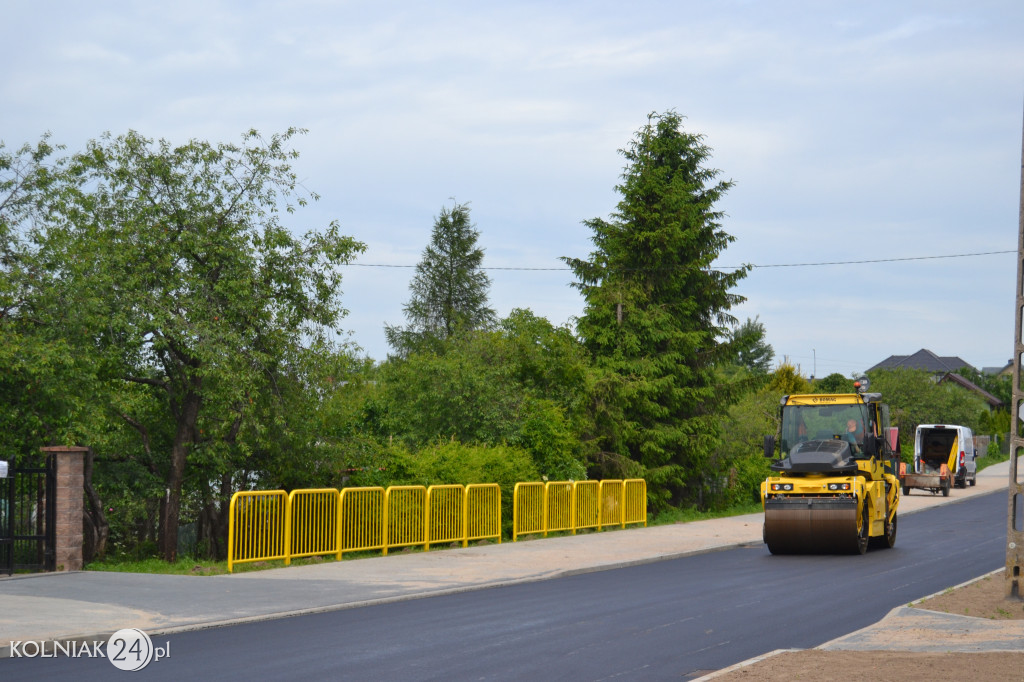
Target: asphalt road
{"type": "Point", "coordinates": [665, 620]}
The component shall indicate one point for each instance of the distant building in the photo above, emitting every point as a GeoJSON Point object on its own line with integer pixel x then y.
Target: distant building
{"type": "Point", "coordinates": [943, 369]}
{"type": "Point", "coordinates": [993, 402]}
{"type": "Point", "coordinates": [926, 360]}
{"type": "Point", "coordinates": [1005, 370]}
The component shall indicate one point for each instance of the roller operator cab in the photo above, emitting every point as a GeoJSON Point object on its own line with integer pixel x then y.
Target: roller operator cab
{"type": "Point", "coordinates": [834, 489]}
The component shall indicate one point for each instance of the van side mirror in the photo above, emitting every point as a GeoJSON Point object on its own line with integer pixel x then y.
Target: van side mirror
{"type": "Point", "coordinates": [769, 446]}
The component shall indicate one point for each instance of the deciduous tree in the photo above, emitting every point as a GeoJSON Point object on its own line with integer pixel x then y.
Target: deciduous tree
{"type": "Point", "coordinates": [171, 267]}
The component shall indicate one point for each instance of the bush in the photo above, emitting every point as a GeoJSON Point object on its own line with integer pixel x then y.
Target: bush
{"type": "Point", "coordinates": [451, 462]}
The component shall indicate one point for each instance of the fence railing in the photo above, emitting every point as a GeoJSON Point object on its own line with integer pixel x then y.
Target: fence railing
{"type": "Point", "coordinates": [445, 514]}
{"type": "Point", "coordinates": [575, 505]}
{"type": "Point", "coordinates": [312, 527]}
{"type": "Point", "coordinates": [529, 512]}
{"type": "Point", "coordinates": [405, 517]}
{"type": "Point", "coordinates": [256, 527]}
{"type": "Point", "coordinates": [362, 520]}
{"type": "Point", "coordinates": [482, 513]}
{"type": "Point", "coordinates": [271, 525]}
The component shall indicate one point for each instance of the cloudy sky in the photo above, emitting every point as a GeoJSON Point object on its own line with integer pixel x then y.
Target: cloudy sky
{"type": "Point", "coordinates": [854, 131]}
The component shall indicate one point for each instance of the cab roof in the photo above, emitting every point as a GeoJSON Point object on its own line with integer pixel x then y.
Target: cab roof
{"type": "Point", "coordinates": [830, 399]}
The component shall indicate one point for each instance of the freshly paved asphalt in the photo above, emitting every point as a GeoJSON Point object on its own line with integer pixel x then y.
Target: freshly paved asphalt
{"type": "Point", "coordinates": [89, 606]}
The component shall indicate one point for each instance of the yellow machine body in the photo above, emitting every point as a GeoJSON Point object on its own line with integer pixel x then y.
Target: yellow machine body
{"type": "Point", "coordinates": [834, 490]}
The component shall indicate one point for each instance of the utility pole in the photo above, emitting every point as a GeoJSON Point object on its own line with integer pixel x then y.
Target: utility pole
{"type": "Point", "coordinates": [1015, 511]}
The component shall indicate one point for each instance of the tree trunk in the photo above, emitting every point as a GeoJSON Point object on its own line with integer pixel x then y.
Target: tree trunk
{"type": "Point", "coordinates": [95, 527]}
{"type": "Point", "coordinates": [184, 436]}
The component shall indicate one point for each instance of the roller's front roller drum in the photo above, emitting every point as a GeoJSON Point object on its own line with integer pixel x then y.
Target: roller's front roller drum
{"type": "Point", "coordinates": [813, 525]}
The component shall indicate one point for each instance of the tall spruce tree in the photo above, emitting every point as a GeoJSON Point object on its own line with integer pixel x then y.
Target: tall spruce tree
{"type": "Point", "coordinates": [449, 289]}
{"type": "Point", "coordinates": [656, 315]}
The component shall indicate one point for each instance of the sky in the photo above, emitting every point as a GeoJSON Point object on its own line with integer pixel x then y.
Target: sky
{"type": "Point", "coordinates": [853, 131]}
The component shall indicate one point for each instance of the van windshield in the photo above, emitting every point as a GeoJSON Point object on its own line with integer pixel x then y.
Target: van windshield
{"type": "Point", "coordinates": [824, 422]}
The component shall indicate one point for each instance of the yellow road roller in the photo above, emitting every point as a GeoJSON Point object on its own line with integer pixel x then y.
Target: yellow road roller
{"type": "Point", "coordinates": [834, 489]}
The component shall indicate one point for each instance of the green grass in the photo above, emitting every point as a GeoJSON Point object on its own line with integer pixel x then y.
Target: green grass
{"type": "Point", "coordinates": [687, 515]}
{"type": "Point", "coordinates": [183, 566]}
{"type": "Point", "coordinates": [206, 567]}
{"type": "Point", "coordinates": [990, 459]}
{"type": "Point", "coordinates": [191, 566]}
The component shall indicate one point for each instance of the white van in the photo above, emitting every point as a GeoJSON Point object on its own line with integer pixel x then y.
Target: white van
{"type": "Point", "coordinates": [949, 444]}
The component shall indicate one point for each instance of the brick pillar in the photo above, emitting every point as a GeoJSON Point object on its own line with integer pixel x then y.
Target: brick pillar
{"type": "Point", "coordinates": [70, 505]}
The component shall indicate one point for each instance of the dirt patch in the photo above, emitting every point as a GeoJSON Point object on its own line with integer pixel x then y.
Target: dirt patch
{"type": "Point", "coordinates": [984, 598]}
{"type": "Point", "coordinates": [814, 664]}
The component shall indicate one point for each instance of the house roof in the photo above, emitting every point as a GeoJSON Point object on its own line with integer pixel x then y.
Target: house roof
{"type": "Point", "coordinates": [997, 371]}
{"type": "Point", "coordinates": [971, 386]}
{"type": "Point", "coordinates": [923, 359]}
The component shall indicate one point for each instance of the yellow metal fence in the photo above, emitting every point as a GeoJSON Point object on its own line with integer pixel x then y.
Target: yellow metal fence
{"type": "Point", "coordinates": [362, 520]}
{"type": "Point", "coordinates": [270, 525]}
{"type": "Point", "coordinates": [576, 505]}
{"type": "Point", "coordinates": [445, 514]}
{"type": "Point", "coordinates": [312, 527]}
{"type": "Point", "coordinates": [482, 518]}
{"type": "Point", "coordinates": [256, 523]}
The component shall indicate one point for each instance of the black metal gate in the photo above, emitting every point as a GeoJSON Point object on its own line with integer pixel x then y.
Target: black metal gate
{"type": "Point", "coordinates": [28, 515]}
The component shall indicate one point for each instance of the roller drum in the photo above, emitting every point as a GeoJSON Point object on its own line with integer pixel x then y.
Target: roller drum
{"type": "Point", "coordinates": [811, 525]}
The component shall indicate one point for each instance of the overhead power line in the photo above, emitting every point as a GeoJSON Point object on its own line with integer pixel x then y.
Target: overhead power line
{"type": "Point", "coordinates": [876, 260]}
{"type": "Point", "coordinates": [736, 267]}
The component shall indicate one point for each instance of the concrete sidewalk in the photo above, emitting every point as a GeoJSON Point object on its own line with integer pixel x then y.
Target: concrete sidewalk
{"type": "Point", "coordinates": [89, 606]}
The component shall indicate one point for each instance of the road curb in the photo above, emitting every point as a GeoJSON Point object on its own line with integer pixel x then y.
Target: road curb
{"type": "Point", "coordinates": [743, 664]}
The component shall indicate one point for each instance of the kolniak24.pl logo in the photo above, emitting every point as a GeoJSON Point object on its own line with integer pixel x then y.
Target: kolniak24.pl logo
{"type": "Point", "coordinates": [127, 649]}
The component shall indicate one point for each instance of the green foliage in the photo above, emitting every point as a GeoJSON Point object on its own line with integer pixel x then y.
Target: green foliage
{"type": "Point", "coordinates": [785, 380]}
{"type": "Point", "coordinates": [914, 398]}
{"type": "Point", "coordinates": [751, 350]}
{"type": "Point", "coordinates": [449, 289]}
{"type": "Point", "coordinates": [741, 464]}
{"type": "Point", "coordinates": [466, 393]}
{"type": "Point", "coordinates": [451, 462]}
{"type": "Point", "coordinates": [655, 311]}
{"type": "Point", "coordinates": [999, 385]}
{"type": "Point", "coordinates": [522, 384]}
{"type": "Point", "coordinates": [995, 422]}
{"type": "Point", "coordinates": [167, 270]}
{"type": "Point", "coordinates": [41, 381]}
{"type": "Point", "coordinates": [834, 383]}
